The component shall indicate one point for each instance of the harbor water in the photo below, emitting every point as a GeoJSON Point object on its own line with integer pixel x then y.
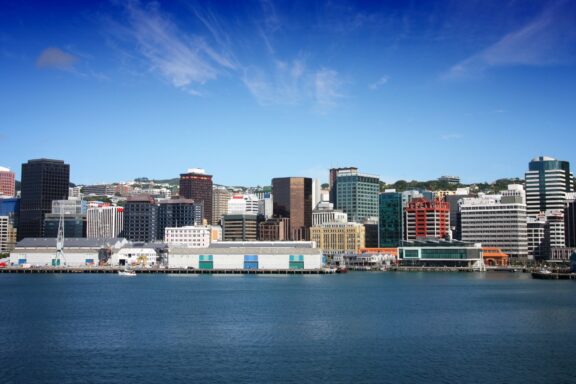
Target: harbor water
{"type": "Point", "coordinates": [358, 327]}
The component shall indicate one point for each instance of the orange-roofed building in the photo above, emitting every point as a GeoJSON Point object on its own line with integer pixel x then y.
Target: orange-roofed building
{"type": "Point", "coordinates": [494, 257]}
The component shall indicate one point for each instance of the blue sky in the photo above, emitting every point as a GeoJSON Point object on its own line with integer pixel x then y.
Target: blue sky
{"type": "Point", "coordinates": [252, 90]}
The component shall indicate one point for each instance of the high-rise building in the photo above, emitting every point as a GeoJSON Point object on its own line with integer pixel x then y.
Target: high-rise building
{"type": "Point", "coordinates": [43, 180]}
{"type": "Point", "coordinates": [265, 205]}
{"type": "Point", "coordinates": [333, 182]}
{"type": "Point", "coordinates": [391, 218]}
{"type": "Point", "coordinates": [220, 197]}
{"type": "Point", "coordinates": [570, 224]}
{"type": "Point", "coordinates": [293, 200]}
{"type": "Point", "coordinates": [197, 185]}
{"type": "Point", "coordinates": [240, 204]}
{"type": "Point", "coordinates": [357, 194]}
{"type": "Point", "coordinates": [427, 219]}
{"type": "Point", "coordinates": [140, 218]}
{"type": "Point", "coordinates": [547, 182]}
{"type": "Point", "coordinates": [7, 234]}
{"type": "Point", "coordinates": [497, 221]}
{"type": "Point", "coordinates": [175, 213]}
{"type": "Point", "coordinates": [104, 222]}
{"type": "Point", "coordinates": [7, 183]}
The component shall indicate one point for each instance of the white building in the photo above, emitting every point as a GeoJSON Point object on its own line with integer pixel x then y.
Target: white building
{"type": "Point", "coordinates": [190, 236]}
{"type": "Point", "coordinates": [280, 255]}
{"type": "Point", "coordinates": [78, 252]}
{"type": "Point", "coordinates": [548, 180]}
{"type": "Point", "coordinates": [265, 205]}
{"type": "Point", "coordinates": [104, 222]}
{"type": "Point", "coordinates": [497, 221]}
{"type": "Point", "coordinates": [243, 204]}
{"type": "Point", "coordinates": [325, 213]}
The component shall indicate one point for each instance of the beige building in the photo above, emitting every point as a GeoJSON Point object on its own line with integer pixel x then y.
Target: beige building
{"type": "Point", "coordinates": [220, 197]}
{"type": "Point", "coordinates": [339, 238]}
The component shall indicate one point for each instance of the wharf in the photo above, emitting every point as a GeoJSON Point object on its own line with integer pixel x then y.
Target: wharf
{"type": "Point", "coordinates": [178, 271]}
{"type": "Point", "coordinates": [553, 276]}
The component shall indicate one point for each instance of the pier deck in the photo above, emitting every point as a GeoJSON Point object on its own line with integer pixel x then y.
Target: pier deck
{"type": "Point", "coordinates": [183, 271]}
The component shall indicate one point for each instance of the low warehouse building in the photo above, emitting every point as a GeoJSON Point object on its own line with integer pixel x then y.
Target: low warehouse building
{"type": "Point", "coordinates": [78, 252]}
{"type": "Point", "coordinates": [232, 255]}
{"type": "Point", "coordinates": [440, 253]}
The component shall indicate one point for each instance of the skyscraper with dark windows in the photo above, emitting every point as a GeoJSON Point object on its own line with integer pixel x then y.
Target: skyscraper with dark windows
{"type": "Point", "coordinates": [293, 200]}
{"type": "Point", "coordinates": [176, 213]}
{"type": "Point", "coordinates": [140, 218]}
{"type": "Point", "coordinates": [43, 180]}
{"type": "Point", "coordinates": [391, 218]}
{"type": "Point", "coordinates": [197, 185]}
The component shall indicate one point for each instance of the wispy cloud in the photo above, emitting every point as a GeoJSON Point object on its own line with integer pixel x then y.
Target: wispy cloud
{"type": "Point", "coordinates": [451, 136]}
{"type": "Point", "coordinates": [181, 58]}
{"type": "Point", "coordinates": [327, 89]}
{"type": "Point", "coordinates": [55, 58]}
{"type": "Point", "coordinates": [293, 83]}
{"type": "Point", "coordinates": [549, 39]}
{"type": "Point", "coordinates": [379, 83]}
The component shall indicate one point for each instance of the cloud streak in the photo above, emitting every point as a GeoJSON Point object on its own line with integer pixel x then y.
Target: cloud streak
{"type": "Point", "coordinates": [548, 40]}
{"type": "Point", "coordinates": [181, 58]}
{"type": "Point", "coordinates": [55, 58]}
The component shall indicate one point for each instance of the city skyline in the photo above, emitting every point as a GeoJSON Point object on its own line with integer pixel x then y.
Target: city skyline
{"type": "Point", "coordinates": [121, 90]}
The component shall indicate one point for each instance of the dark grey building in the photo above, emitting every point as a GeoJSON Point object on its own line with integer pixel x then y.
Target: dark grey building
{"type": "Point", "coordinates": [140, 219]}
{"type": "Point", "coordinates": [43, 180]}
{"type": "Point", "coordinates": [178, 213]}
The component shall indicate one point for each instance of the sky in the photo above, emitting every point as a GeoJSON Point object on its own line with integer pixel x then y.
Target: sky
{"type": "Point", "coordinates": [252, 90]}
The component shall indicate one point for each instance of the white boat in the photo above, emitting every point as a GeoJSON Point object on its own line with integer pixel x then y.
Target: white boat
{"type": "Point", "coordinates": [127, 272]}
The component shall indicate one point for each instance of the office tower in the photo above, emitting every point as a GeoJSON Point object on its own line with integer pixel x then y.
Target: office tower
{"type": "Point", "coordinates": [357, 194]}
{"type": "Point", "coordinates": [339, 238]}
{"type": "Point", "coordinates": [453, 203]}
{"type": "Point", "coordinates": [425, 219]}
{"type": "Point", "coordinates": [391, 218]}
{"type": "Point", "coordinates": [265, 205]}
{"type": "Point", "coordinates": [220, 197]}
{"type": "Point", "coordinates": [104, 222]}
{"type": "Point", "coordinates": [140, 218]}
{"type": "Point", "coordinates": [43, 180]}
{"type": "Point", "coordinates": [547, 182]}
{"type": "Point", "coordinates": [197, 185]}
{"type": "Point", "coordinates": [293, 200]}
{"type": "Point", "coordinates": [333, 182]}
{"type": "Point", "coordinates": [570, 224]}
{"type": "Point", "coordinates": [497, 221]}
{"type": "Point", "coordinates": [240, 204]}
{"type": "Point", "coordinates": [7, 183]}
{"type": "Point", "coordinates": [240, 227]}
{"type": "Point", "coordinates": [371, 232]}
{"type": "Point", "coordinates": [175, 213]}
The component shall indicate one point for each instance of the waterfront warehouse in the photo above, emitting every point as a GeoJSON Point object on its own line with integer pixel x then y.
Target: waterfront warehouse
{"type": "Point", "coordinates": [237, 255]}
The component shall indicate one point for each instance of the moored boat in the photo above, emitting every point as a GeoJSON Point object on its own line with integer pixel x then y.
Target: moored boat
{"type": "Point", "coordinates": [127, 272]}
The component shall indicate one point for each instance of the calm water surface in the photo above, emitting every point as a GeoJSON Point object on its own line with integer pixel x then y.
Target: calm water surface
{"type": "Point", "coordinates": [354, 328]}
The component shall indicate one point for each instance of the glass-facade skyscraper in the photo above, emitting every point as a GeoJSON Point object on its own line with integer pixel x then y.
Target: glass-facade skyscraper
{"type": "Point", "coordinates": [357, 195]}
{"type": "Point", "coordinates": [43, 180]}
{"type": "Point", "coordinates": [391, 219]}
{"type": "Point", "coordinates": [293, 200]}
